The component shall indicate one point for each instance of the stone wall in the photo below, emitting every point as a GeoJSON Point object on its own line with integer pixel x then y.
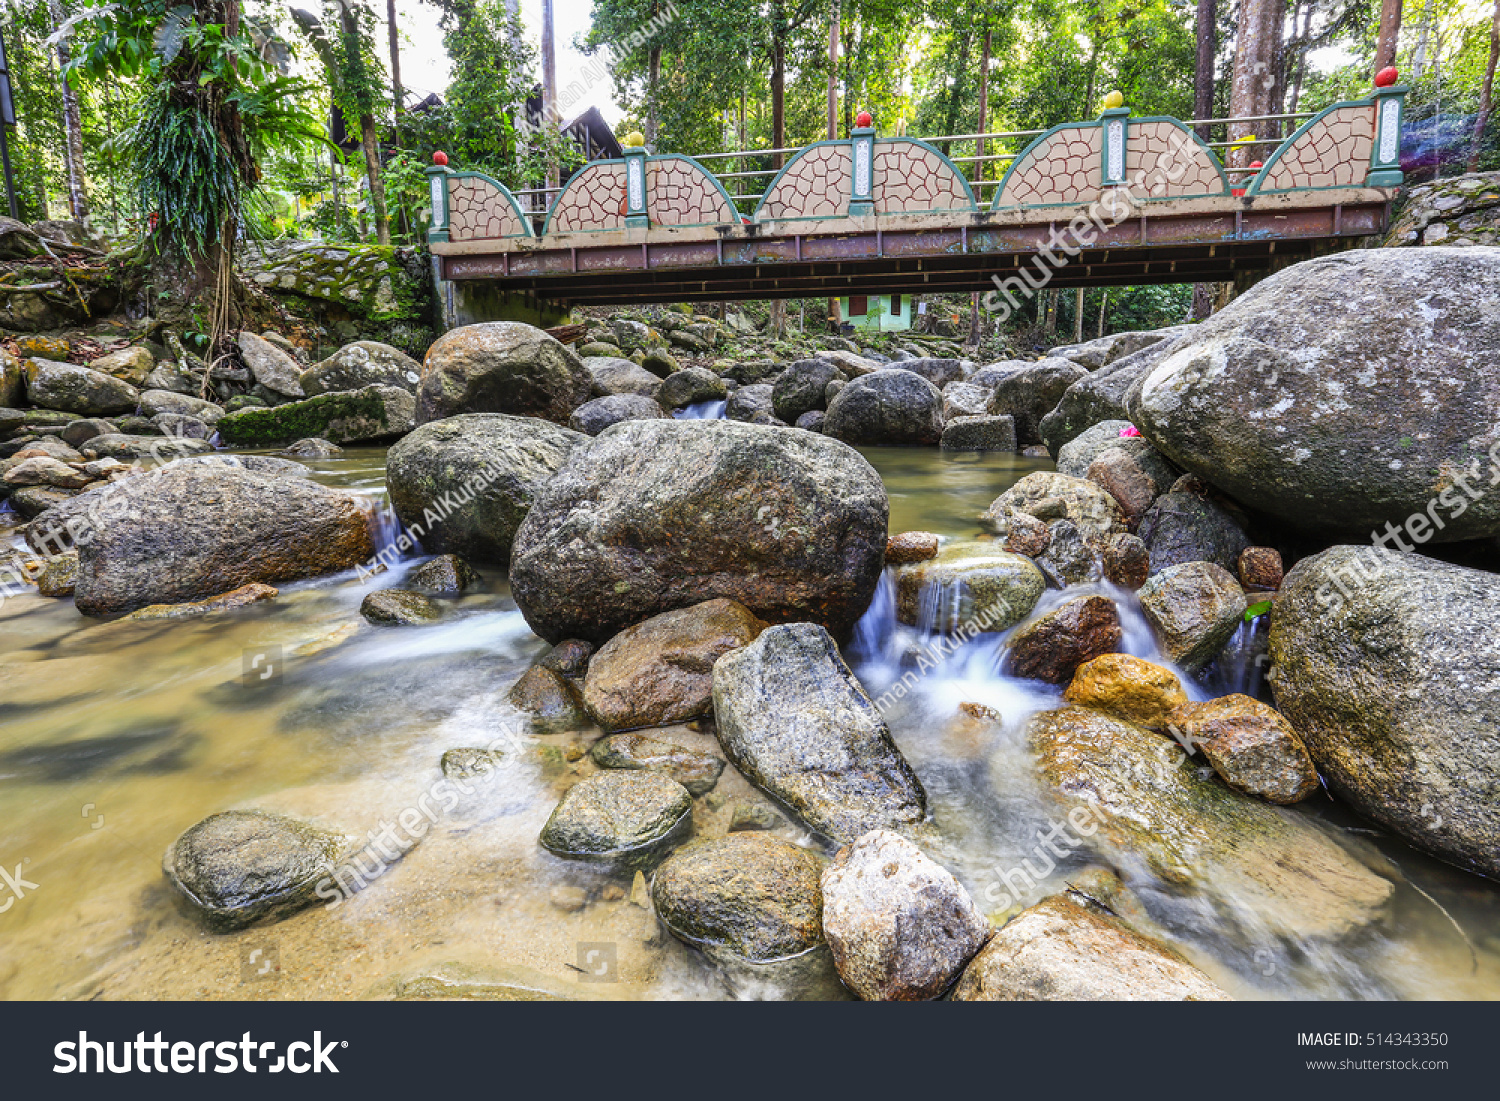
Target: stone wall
{"type": "Point", "coordinates": [1464, 210]}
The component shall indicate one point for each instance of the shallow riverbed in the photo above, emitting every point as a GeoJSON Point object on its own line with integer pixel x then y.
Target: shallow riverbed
{"type": "Point", "coordinates": [114, 737]}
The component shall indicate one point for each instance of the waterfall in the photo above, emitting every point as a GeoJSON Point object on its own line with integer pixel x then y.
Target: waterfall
{"type": "Point", "coordinates": [701, 411]}
{"type": "Point", "coordinates": [1241, 666]}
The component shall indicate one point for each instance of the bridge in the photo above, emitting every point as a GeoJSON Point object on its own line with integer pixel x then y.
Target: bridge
{"type": "Point", "coordinates": [1121, 199]}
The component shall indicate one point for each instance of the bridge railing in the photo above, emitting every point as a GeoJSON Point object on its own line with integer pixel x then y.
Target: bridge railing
{"type": "Point", "coordinates": [1156, 157]}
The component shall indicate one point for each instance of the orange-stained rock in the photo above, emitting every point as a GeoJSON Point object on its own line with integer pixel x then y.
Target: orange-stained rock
{"type": "Point", "coordinates": [1127, 688]}
{"type": "Point", "coordinates": [910, 546]}
{"type": "Point", "coordinates": [1260, 569]}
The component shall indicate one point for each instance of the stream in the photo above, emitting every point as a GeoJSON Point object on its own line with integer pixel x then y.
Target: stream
{"type": "Point", "coordinates": [115, 737]}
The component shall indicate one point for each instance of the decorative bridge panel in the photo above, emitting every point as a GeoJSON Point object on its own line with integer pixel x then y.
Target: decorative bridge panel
{"type": "Point", "coordinates": [593, 200]}
{"type": "Point", "coordinates": [1333, 150]}
{"type": "Point", "coordinates": [482, 209]}
{"type": "Point", "coordinates": [913, 177]}
{"type": "Point", "coordinates": [680, 192]}
{"type": "Point", "coordinates": [1061, 166]}
{"type": "Point", "coordinates": [814, 185]}
{"type": "Point", "coordinates": [1167, 158]}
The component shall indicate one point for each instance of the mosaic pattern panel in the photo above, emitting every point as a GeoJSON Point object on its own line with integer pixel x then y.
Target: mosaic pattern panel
{"type": "Point", "coordinates": [1334, 152]}
{"type": "Point", "coordinates": [815, 185]}
{"type": "Point", "coordinates": [1169, 162]}
{"type": "Point", "coordinates": [1064, 168]}
{"type": "Point", "coordinates": [593, 200]}
{"type": "Point", "coordinates": [680, 193]}
{"type": "Point", "coordinates": [910, 177]}
{"type": "Point", "coordinates": [478, 210]}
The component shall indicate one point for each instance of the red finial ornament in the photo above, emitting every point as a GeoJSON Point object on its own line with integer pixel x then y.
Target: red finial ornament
{"type": "Point", "coordinates": [440, 158]}
{"type": "Point", "coordinates": [1386, 77]}
{"type": "Point", "coordinates": [863, 120]}
{"type": "Point", "coordinates": [1256, 164]}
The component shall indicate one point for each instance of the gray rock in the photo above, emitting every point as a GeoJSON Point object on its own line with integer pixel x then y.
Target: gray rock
{"type": "Point", "coordinates": [444, 575]}
{"type": "Point", "coordinates": [981, 433]}
{"type": "Point", "coordinates": [81, 431]}
{"type": "Point", "coordinates": [812, 421]}
{"type": "Point", "coordinates": [313, 447]}
{"type": "Point", "coordinates": [689, 386]}
{"type": "Point", "coordinates": [176, 425]}
{"type": "Point", "coordinates": [155, 449]}
{"type": "Point", "coordinates": [1195, 608]}
{"type": "Point", "coordinates": [74, 389]}
{"type": "Point", "coordinates": [965, 399]}
{"type": "Point", "coordinates": [1030, 393]}
{"type": "Point", "coordinates": [1094, 354]}
{"type": "Point", "coordinates": [1075, 456]}
{"type": "Point", "coordinates": [355, 366]}
{"type": "Point", "coordinates": [620, 376]}
{"type": "Point", "coordinates": [1344, 393]}
{"type": "Point", "coordinates": [272, 367]}
{"type": "Point", "coordinates": [801, 388]}
{"type": "Point", "coordinates": [746, 897]}
{"type": "Point", "coordinates": [465, 483]}
{"type": "Point", "coordinates": [624, 818]}
{"type": "Point", "coordinates": [698, 772]}
{"type": "Point", "coordinates": [1067, 948]}
{"type": "Point", "coordinates": [593, 417]}
{"type": "Point", "coordinates": [192, 530]}
{"type": "Point", "coordinates": [501, 367]}
{"type": "Point", "coordinates": [656, 515]}
{"type": "Point", "coordinates": [1185, 527]}
{"type": "Point", "coordinates": [901, 928]}
{"type": "Point", "coordinates": [1100, 396]}
{"type": "Point", "coordinates": [752, 404]}
{"type": "Point", "coordinates": [889, 406]}
{"type": "Point", "coordinates": [1049, 496]}
{"type": "Point", "coordinates": [399, 607]}
{"type": "Point", "coordinates": [795, 721]}
{"type": "Point", "coordinates": [968, 584]}
{"type": "Point", "coordinates": [155, 402]}
{"type": "Point", "coordinates": [1385, 664]}
{"type": "Point", "coordinates": [939, 372]}
{"type": "Point", "coordinates": [1070, 557]}
{"type": "Point", "coordinates": [239, 867]}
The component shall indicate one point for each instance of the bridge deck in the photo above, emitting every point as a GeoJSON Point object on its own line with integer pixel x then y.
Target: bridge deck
{"type": "Point", "coordinates": [1114, 201]}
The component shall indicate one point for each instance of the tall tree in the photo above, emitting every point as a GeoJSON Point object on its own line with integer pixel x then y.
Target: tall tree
{"type": "Point", "coordinates": [1207, 35]}
{"type": "Point", "coordinates": [72, 118]}
{"type": "Point", "coordinates": [397, 98]}
{"type": "Point", "coordinates": [1252, 79]}
{"type": "Point", "coordinates": [1487, 95]}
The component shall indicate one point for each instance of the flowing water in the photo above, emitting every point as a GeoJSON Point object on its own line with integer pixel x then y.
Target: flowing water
{"type": "Point", "coordinates": [114, 737]}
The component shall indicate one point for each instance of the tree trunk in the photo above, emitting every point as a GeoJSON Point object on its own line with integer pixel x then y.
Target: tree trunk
{"type": "Point", "coordinates": [1252, 67]}
{"type": "Point", "coordinates": [1104, 309]}
{"type": "Point", "coordinates": [549, 87]}
{"type": "Point", "coordinates": [1487, 96]}
{"type": "Point", "coordinates": [653, 92]}
{"type": "Point", "coordinates": [778, 99]}
{"type": "Point", "coordinates": [833, 72]}
{"type": "Point", "coordinates": [974, 319]}
{"type": "Point", "coordinates": [1078, 317]}
{"type": "Point", "coordinates": [398, 102]}
{"type": "Point", "coordinates": [371, 141]}
{"type": "Point", "coordinates": [1203, 75]}
{"type": "Point", "coordinates": [984, 106]}
{"type": "Point", "coordinates": [1389, 34]}
{"type": "Point", "coordinates": [72, 120]}
{"type": "Point", "coordinates": [1203, 301]}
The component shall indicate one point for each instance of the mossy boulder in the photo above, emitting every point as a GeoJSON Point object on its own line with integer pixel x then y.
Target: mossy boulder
{"type": "Point", "coordinates": [75, 389]}
{"type": "Point", "coordinates": [347, 416]}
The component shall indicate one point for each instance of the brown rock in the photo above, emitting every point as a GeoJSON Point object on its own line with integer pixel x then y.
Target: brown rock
{"type": "Point", "coordinates": [661, 671]}
{"type": "Point", "coordinates": [1194, 608]}
{"type": "Point", "coordinates": [58, 576]}
{"type": "Point", "coordinates": [1260, 569]}
{"type": "Point", "coordinates": [1025, 534]}
{"type": "Point", "coordinates": [545, 694]}
{"type": "Point", "coordinates": [570, 657]}
{"type": "Point", "coordinates": [910, 546]}
{"type": "Point", "coordinates": [1064, 949]}
{"type": "Point", "coordinates": [1127, 562]}
{"type": "Point", "coordinates": [1053, 646]}
{"type": "Point", "coordinates": [1127, 688]}
{"type": "Point", "coordinates": [1133, 488]}
{"type": "Point", "coordinates": [44, 470]}
{"type": "Point", "coordinates": [235, 598]}
{"type": "Point", "coordinates": [1251, 746]}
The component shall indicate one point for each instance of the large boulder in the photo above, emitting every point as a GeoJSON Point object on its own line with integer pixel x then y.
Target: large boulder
{"type": "Point", "coordinates": [800, 388]}
{"type": "Point", "coordinates": [196, 528]}
{"type": "Point", "coordinates": [1047, 496]}
{"type": "Point", "coordinates": [1385, 664]}
{"type": "Point", "coordinates": [363, 363]}
{"type": "Point", "coordinates": [690, 386]}
{"type": "Point", "coordinates": [346, 416]}
{"type": "Point", "coordinates": [901, 928]}
{"type": "Point", "coordinates": [271, 367]}
{"type": "Point", "coordinates": [888, 406]}
{"type": "Point", "coordinates": [1183, 527]}
{"type": "Point", "coordinates": [1067, 948]}
{"type": "Point", "coordinates": [1135, 798]}
{"type": "Point", "coordinates": [795, 721]}
{"type": "Point", "coordinates": [75, 389]}
{"type": "Point", "coordinates": [1032, 392]}
{"type": "Point", "coordinates": [661, 671]}
{"type": "Point", "coordinates": [463, 485]}
{"type": "Point", "coordinates": [657, 515]}
{"type": "Point", "coordinates": [1345, 393]}
{"type": "Point", "coordinates": [1094, 354]}
{"type": "Point", "coordinates": [939, 372]}
{"type": "Point", "coordinates": [501, 367]}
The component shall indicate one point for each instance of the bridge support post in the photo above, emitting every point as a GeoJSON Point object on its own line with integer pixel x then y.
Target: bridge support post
{"type": "Point", "coordinates": [635, 187]}
{"type": "Point", "coordinates": [1385, 162]}
{"type": "Point", "coordinates": [1116, 124]}
{"type": "Point", "coordinates": [861, 186]}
